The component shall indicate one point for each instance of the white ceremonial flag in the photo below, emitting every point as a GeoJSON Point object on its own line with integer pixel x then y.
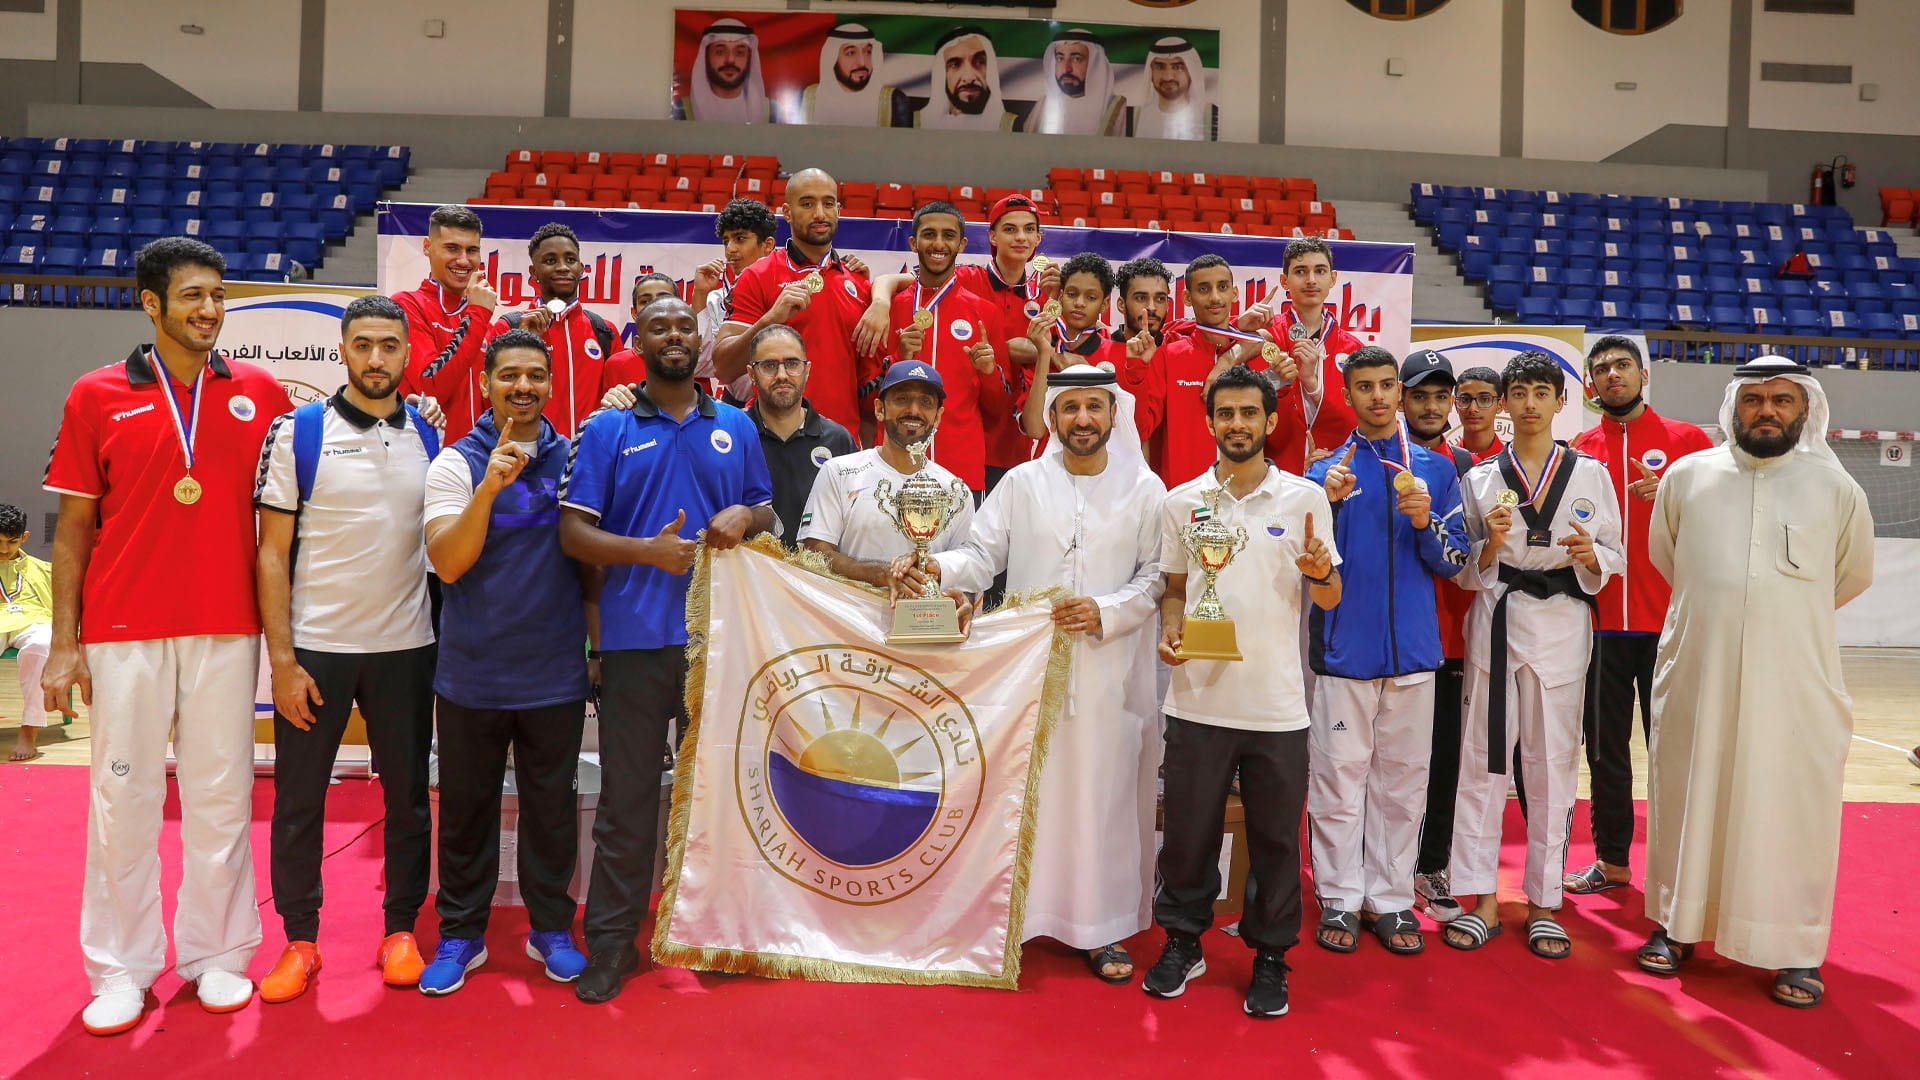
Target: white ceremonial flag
{"type": "Point", "coordinates": [852, 810]}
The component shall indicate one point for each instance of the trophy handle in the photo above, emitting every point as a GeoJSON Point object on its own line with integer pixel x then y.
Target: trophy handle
{"type": "Point", "coordinates": [1239, 541]}
{"type": "Point", "coordinates": [880, 492]}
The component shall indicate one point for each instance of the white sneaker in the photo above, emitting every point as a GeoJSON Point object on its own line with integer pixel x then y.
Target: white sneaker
{"type": "Point", "coordinates": [113, 1013]}
{"type": "Point", "coordinates": [224, 991]}
{"type": "Point", "coordinates": [1434, 893]}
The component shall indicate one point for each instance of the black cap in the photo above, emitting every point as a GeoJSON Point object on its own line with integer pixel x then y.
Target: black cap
{"type": "Point", "coordinates": [1423, 365]}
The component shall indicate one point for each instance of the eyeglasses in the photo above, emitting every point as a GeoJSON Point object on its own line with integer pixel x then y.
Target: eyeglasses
{"type": "Point", "coordinates": [780, 367]}
{"type": "Point", "coordinates": [1484, 401]}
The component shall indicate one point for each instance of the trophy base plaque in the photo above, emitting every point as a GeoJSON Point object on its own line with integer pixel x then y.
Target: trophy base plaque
{"type": "Point", "coordinates": [930, 621]}
{"type": "Point", "coordinates": [1208, 639]}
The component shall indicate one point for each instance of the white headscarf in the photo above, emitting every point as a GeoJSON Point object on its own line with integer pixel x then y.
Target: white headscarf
{"type": "Point", "coordinates": [1192, 116]}
{"type": "Point", "coordinates": [1124, 458]}
{"type": "Point", "coordinates": [832, 102]}
{"type": "Point", "coordinates": [1813, 437]}
{"type": "Point", "coordinates": [939, 114]}
{"type": "Point", "coordinates": [1059, 114]}
{"type": "Point", "coordinates": [751, 106]}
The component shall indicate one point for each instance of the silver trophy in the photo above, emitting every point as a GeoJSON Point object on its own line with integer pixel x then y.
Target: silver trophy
{"type": "Point", "coordinates": [922, 509]}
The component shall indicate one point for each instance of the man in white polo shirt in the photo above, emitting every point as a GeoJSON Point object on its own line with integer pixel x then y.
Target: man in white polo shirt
{"type": "Point", "coordinates": [343, 598]}
{"type": "Point", "coordinates": [1250, 715]}
{"type": "Point", "coordinates": [844, 520]}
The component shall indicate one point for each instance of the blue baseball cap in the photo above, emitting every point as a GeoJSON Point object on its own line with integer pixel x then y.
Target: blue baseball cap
{"type": "Point", "coordinates": [906, 371]}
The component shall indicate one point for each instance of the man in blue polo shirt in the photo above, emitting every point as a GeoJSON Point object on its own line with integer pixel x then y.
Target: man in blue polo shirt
{"type": "Point", "coordinates": [635, 480]}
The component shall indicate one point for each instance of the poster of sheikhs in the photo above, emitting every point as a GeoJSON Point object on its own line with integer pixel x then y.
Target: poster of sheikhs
{"type": "Point", "coordinates": [859, 776]}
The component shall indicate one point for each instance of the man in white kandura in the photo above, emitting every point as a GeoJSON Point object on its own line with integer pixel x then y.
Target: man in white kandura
{"type": "Point", "coordinates": [1085, 516]}
{"type": "Point", "coordinates": [1751, 721]}
{"type": "Point", "coordinates": [849, 91]}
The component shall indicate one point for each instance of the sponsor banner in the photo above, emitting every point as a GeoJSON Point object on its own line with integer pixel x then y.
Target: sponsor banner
{"type": "Point", "coordinates": [948, 72]}
{"type": "Point", "coordinates": [852, 810]}
{"type": "Point", "coordinates": [1373, 297]}
{"type": "Point", "coordinates": [1492, 346]}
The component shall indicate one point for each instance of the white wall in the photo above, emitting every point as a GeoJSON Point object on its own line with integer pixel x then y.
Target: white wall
{"type": "Point", "coordinates": [1882, 42]}
{"type": "Point", "coordinates": [1571, 110]}
{"type": "Point", "coordinates": [1339, 92]}
{"type": "Point", "coordinates": [29, 36]}
{"type": "Point", "coordinates": [623, 51]}
{"type": "Point", "coordinates": [492, 61]}
{"type": "Point", "coordinates": [249, 57]}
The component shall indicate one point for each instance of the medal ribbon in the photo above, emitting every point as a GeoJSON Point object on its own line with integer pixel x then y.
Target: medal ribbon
{"type": "Point", "coordinates": [1406, 454]}
{"type": "Point", "coordinates": [937, 297]}
{"type": "Point", "coordinates": [1031, 282]}
{"type": "Point", "coordinates": [1532, 487]}
{"type": "Point", "coordinates": [188, 428]}
{"type": "Point", "coordinates": [1068, 341]}
{"type": "Point", "coordinates": [19, 583]}
{"type": "Point", "coordinates": [440, 297]}
{"type": "Point", "coordinates": [1235, 334]}
{"type": "Point", "coordinates": [1293, 320]}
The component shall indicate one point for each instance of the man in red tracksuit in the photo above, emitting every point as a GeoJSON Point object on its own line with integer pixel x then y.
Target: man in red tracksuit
{"type": "Point", "coordinates": [1637, 445]}
{"type": "Point", "coordinates": [579, 341]}
{"type": "Point", "coordinates": [447, 319]}
{"type": "Point", "coordinates": [956, 340]}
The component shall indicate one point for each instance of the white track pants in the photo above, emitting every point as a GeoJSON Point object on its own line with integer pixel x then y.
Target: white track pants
{"type": "Point", "coordinates": [32, 643]}
{"type": "Point", "coordinates": [201, 690]}
{"type": "Point", "coordinates": [1547, 723]}
{"type": "Point", "coordinates": [1367, 788]}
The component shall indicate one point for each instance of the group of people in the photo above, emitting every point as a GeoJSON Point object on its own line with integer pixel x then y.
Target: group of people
{"type": "Point", "coordinates": [496, 516]}
{"type": "Point", "coordinates": [1080, 92]}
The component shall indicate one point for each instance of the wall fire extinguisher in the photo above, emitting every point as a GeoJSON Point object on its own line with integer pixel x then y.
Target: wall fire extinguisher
{"type": "Point", "coordinates": [1822, 192]}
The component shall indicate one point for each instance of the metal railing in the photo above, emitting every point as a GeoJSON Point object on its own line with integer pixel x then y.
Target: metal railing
{"type": "Point", "coordinates": [1704, 347]}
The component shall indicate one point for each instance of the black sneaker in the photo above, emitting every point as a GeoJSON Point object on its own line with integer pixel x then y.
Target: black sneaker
{"type": "Point", "coordinates": [1267, 994]}
{"type": "Point", "coordinates": [1180, 963]}
{"type": "Point", "coordinates": [606, 968]}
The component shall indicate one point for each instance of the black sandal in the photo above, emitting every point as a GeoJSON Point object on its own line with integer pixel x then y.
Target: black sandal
{"type": "Point", "coordinates": [1589, 881]}
{"type": "Point", "coordinates": [1807, 979]}
{"type": "Point", "coordinates": [1338, 920]}
{"type": "Point", "coordinates": [1386, 926]}
{"type": "Point", "coordinates": [1098, 959]}
{"type": "Point", "coordinates": [1660, 956]}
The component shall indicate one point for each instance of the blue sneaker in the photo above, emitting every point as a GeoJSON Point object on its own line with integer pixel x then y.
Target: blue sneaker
{"type": "Point", "coordinates": [555, 949]}
{"type": "Point", "coordinates": [451, 962]}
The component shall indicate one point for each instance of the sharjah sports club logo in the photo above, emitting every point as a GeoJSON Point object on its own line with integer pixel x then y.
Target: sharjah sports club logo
{"type": "Point", "coordinates": [1033, 309]}
{"type": "Point", "coordinates": [961, 329]}
{"type": "Point", "coordinates": [241, 406]}
{"type": "Point", "coordinates": [859, 776]}
{"type": "Point", "coordinates": [1654, 459]}
{"type": "Point", "coordinates": [721, 441]}
{"type": "Point", "coordinates": [593, 349]}
{"type": "Point", "coordinates": [1276, 530]}
{"type": "Point", "coordinates": [820, 455]}
{"type": "Point", "coordinates": [852, 290]}
{"type": "Point", "coordinates": [1582, 510]}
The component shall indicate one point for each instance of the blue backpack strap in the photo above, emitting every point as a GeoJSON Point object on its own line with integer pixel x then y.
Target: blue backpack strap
{"type": "Point", "coordinates": [429, 437]}
{"type": "Point", "coordinates": [309, 424]}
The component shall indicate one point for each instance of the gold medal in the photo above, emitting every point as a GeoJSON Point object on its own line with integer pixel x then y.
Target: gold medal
{"type": "Point", "coordinates": [1270, 352]}
{"type": "Point", "coordinates": [187, 491]}
{"type": "Point", "coordinates": [922, 319]}
{"type": "Point", "coordinates": [1052, 310]}
{"type": "Point", "coordinates": [815, 282]}
{"type": "Point", "coordinates": [1404, 481]}
{"type": "Point", "coordinates": [1508, 498]}
{"type": "Point", "coordinates": [1040, 264]}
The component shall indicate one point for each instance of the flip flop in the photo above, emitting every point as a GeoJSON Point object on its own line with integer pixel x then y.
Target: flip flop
{"type": "Point", "coordinates": [1667, 956]}
{"type": "Point", "coordinates": [1098, 959]}
{"type": "Point", "coordinates": [1476, 928]}
{"type": "Point", "coordinates": [1807, 979]}
{"type": "Point", "coordinates": [1545, 928]}
{"type": "Point", "coordinates": [1591, 880]}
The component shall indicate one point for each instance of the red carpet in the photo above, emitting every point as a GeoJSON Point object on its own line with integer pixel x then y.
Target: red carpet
{"type": "Point", "coordinates": [1498, 1012]}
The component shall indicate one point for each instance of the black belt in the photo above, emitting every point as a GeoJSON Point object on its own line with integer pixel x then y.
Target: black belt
{"type": "Point", "coordinates": [1538, 584]}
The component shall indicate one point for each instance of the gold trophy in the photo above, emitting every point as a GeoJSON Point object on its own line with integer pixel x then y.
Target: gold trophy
{"type": "Point", "coordinates": [1208, 634]}
{"type": "Point", "coordinates": [921, 509]}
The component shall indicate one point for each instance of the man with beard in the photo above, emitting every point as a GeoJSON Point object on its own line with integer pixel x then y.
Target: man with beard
{"type": "Point", "coordinates": [139, 465]}
{"type": "Point", "coordinates": [448, 318]}
{"type": "Point", "coordinates": [846, 93]}
{"type": "Point", "coordinates": [579, 341]}
{"type": "Point", "coordinates": [796, 440]}
{"type": "Point", "coordinates": [1079, 97]}
{"type": "Point", "coordinates": [964, 94]}
{"type": "Point", "coordinates": [625, 367]}
{"type": "Point", "coordinates": [1250, 716]}
{"type": "Point", "coordinates": [843, 519]}
{"type": "Point", "coordinates": [808, 286]}
{"type": "Point", "coordinates": [1084, 517]}
{"type": "Point", "coordinates": [1179, 107]}
{"type": "Point", "coordinates": [1637, 445]}
{"type": "Point", "coordinates": [343, 596]}
{"type": "Point", "coordinates": [942, 323]}
{"type": "Point", "coordinates": [726, 83]}
{"type": "Point", "coordinates": [1762, 538]}
{"type": "Point", "coordinates": [634, 480]}
{"type": "Point", "coordinates": [492, 504]}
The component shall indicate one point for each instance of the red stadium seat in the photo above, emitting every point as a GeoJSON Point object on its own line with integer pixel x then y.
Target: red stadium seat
{"type": "Point", "coordinates": [767, 163]}
{"type": "Point", "coordinates": [1063, 175]}
{"type": "Point", "coordinates": [1897, 205]}
{"type": "Point", "coordinates": [628, 160]}
{"type": "Point", "coordinates": [926, 193]}
{"type": "Point", "coordinates": [893, 197]}
{"type": "Point", "coordinates": [859, 189]}
{"type": "Point", "coordinates": [523, 157]}
{"type": "Point", "coordinates": [1264, 185]}
{"type": "Point", "coordinates": [556, 160]}
{"type": "Point", "coordinates": [1299, 187]}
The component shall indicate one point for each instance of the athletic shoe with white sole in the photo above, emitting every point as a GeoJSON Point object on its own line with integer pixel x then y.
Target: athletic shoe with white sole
{"type": "Point", "coordinates": [452, 960]}
{"type": "Point", "coordinates": [1267, 993]}
{"type": "Point", "coordinates": [1434, 893]}
{"type": "Point", "coordinates": [1180, 963]}
{"type": "Point", "coordinates": [557, 953]}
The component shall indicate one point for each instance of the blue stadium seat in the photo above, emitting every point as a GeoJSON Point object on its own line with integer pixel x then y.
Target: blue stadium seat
{"type": "Point", "coordinates": [63, 260]}
{"type": "Point", "coordinates": [22, 259]}
{"type": "Point", "coordinates": [1651, 314]}
{"type": "Point", "coordinates": [1504, 299]}
{"type": "Point", "coordinates": [1536, 310]}
{"type": "Point", "coordinates": [108, 262]}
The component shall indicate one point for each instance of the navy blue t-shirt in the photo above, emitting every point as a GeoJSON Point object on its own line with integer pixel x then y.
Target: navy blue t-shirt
{"type": "Point", "coordinates": [633, 470]}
